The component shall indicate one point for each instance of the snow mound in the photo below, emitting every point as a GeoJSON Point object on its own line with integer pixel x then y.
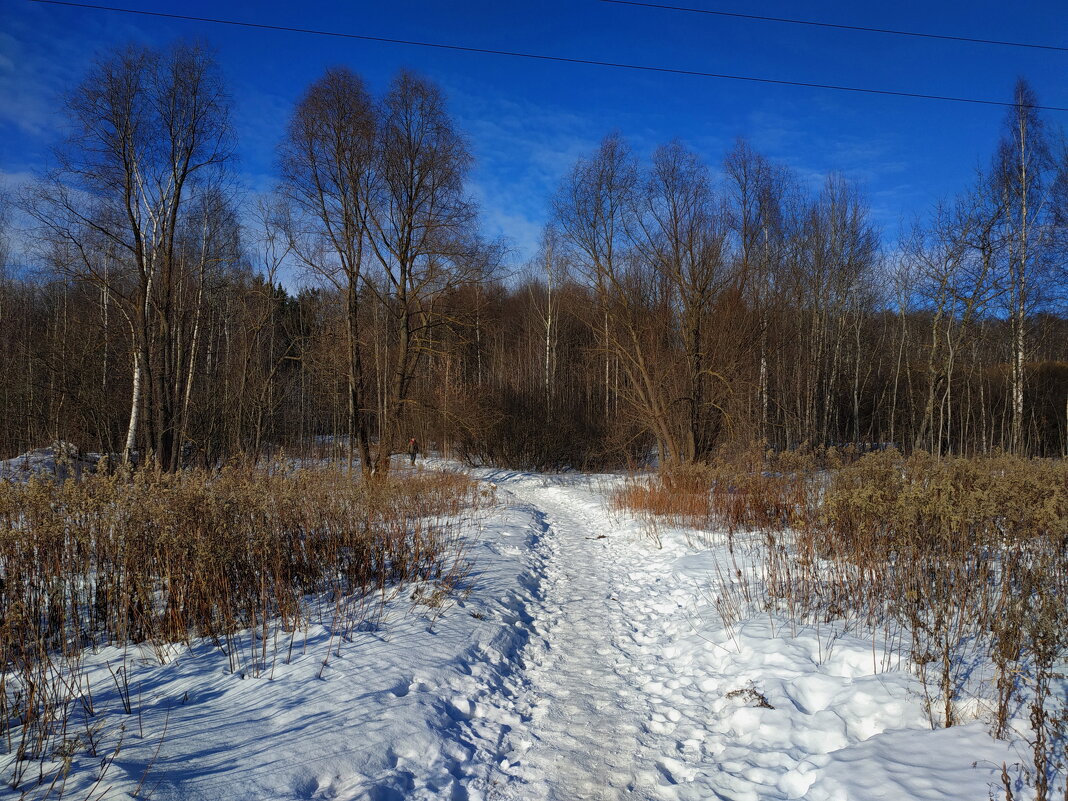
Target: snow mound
{"type": "Point", "coordinates": [60, 459]}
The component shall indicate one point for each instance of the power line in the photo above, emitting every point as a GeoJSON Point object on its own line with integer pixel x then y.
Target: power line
{"type": "Point", "coordinates": [918, 34]}
{"type": "Point", "coordinates": [543, 57]}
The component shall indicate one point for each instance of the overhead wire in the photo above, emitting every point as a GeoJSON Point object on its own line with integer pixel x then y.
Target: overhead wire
{"type": "Point", "coordinates": [542, 56]}
{"type": "Point", "coordinates": [838, 26]}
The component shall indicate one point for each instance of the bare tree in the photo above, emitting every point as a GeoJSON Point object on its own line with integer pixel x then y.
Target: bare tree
{"type": "Point", "coordinates": [597, 210]}
{"type": "Point", "coordinates": [758, 194]}
{"type": "Point", "coordinates": [5, 231]}
{"type": "Point", "coordinates": [552, 264]}
{"type": "Point", "coordinates": [665, 309]}
{"type": "Point", "coordinates": [420, 234]}
{"type": "Point", "coordinates": [837, 252]}
{"type": "Point", "coordinates": [327, 162]}
{"type": "Point", "coordinates": [1024, 173]}
{"type": "Point", "coordinates": [950, 265]}
{"type": "Point", "coordinates": [682, 239]}
{"type": "Point", "coordinates": [150, 132]}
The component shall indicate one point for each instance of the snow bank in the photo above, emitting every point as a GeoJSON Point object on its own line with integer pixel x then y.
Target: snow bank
{"type": "Point", "coordinates": [383, 719]}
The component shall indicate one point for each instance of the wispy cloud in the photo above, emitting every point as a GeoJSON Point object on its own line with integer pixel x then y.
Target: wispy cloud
{"type": "Point", "coordinates": [31, 81]}
{"type": "Point", "coordinates": [811, 141]}
{"type": "Point", "coordinates": [522, 153]}
{"type": "Point", "coordinates": [43, 56]}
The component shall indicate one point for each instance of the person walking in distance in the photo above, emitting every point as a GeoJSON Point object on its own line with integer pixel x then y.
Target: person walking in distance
{"type": "Point", "coordinates": [413, 449]}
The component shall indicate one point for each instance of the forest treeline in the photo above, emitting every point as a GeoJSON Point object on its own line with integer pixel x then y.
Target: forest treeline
{"type": "Point", "coordinates": [675, 307]}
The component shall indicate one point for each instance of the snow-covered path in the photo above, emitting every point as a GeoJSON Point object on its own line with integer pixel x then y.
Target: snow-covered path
{"type": "Point", "coordinates": [594, 677]}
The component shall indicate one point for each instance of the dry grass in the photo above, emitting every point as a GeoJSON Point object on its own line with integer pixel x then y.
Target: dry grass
{"type": "Point", "coordinates": [681, 495]}
{"type": "Point", "coordinates": [157, 558]}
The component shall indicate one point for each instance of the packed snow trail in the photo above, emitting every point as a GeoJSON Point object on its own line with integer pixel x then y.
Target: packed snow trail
{"type": "Point", "coordinates": [593, 676]}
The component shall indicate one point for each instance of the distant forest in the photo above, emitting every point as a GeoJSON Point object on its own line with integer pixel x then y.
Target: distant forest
{"type": "Point", "coordinates": [675, 307]}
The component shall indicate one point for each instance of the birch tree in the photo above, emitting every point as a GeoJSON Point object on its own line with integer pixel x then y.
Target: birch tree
{"type": "Point", "coordinates": [1024, 175]}
{"type": "Point", "coordinates": [150, 131]}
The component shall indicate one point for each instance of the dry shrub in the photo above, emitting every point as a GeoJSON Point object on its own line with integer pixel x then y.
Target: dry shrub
{"type": "Point", "coordinates": [767, 491]}
{"type": "Point", "coordinates": [160, 558]}
{"type": "Point", "coordinates": [681, 495]}
{"type": "Point", "coordinates": [959, 565]}
{"type": "Point", "coordinates": [947, 506]}
{"type": "Point", "coordinates": [750, 490]}
{"type": "Point", "coordinates": [971, 557]}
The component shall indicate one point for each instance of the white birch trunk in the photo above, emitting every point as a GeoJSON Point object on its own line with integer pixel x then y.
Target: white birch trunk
{"type": "Point", "coordinates": [135, 407]}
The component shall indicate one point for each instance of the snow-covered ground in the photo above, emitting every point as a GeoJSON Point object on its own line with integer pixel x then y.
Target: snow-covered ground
{"type": "Point", "coordinates": [585, 662]}
{"type": "Point", "coordinates": [60, 459]}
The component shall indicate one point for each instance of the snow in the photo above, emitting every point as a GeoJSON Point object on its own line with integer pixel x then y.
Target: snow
{"type": "Point", "coordinates": [587, 661]}
{"type": "Point", "coordinates": [60, 459]}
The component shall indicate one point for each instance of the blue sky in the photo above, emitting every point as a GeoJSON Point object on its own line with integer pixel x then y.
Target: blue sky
{"type": "Point", "coordinates": [527, 121]}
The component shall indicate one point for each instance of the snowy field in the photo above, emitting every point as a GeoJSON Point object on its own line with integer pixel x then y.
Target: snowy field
{"type": "Point", "coordinates": [585, 662]}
